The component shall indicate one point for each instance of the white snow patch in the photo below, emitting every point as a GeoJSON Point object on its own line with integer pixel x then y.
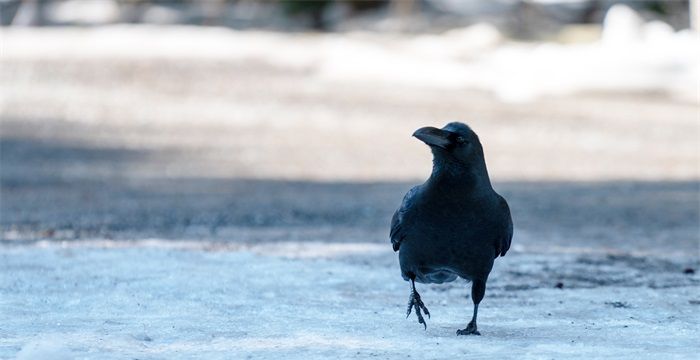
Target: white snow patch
{"type": "Point", "coordinates": [47, 347]}
{"type": "Point", "coordinates": [164, 302]}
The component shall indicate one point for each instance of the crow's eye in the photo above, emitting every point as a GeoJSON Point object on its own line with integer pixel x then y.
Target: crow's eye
{"type": "Point", "coordinates": [460, 140]}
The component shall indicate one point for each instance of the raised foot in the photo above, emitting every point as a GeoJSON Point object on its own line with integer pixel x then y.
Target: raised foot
{"type": "Point", "coordinates": [414, 301]}
{"type": "Point", "coordinates": [470, 330]}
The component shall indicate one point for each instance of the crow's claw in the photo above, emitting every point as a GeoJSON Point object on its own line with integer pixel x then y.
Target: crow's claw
{"type": "Point", "coordinates": [470, 330]}
{"type": "Point", "coordinates": [414, 301]}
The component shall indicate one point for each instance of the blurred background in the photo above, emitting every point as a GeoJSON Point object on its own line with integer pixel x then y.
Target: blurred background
{"type": "Point", "coordinates": [238, 122]}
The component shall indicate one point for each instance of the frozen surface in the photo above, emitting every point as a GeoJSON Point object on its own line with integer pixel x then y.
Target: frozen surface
{"type": "Point", "coordinates": [103, 300]}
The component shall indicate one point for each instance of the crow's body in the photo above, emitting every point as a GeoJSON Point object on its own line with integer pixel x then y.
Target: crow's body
{"type": "Point", "coordinates": [455, 224]}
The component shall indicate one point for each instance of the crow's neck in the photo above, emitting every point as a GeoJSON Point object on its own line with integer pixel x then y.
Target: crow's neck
{"type": "Point", "coordinates": [469, 177]}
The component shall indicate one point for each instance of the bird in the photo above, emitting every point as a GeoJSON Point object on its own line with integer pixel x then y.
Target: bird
{"type": "Point", "coordinates": [454, 225]}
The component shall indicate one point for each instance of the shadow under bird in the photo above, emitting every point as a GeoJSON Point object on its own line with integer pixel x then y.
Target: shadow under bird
{"type": "Point", "coordinates": [453, 225]}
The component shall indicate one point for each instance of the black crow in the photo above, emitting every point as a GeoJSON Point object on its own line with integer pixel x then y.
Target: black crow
{"type": "Point", "coordinates": [453, 225]}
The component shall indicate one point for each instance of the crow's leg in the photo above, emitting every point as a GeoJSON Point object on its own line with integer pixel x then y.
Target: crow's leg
{"type": "Point", "coordinates": [478, 290]}
{"type": "Point", "coordinates": [414, 301]}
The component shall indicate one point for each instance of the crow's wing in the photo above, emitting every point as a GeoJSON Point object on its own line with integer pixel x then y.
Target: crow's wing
{"type": "Point", "coordinates": [503, 244]}
{"type": "Point", "coordinates": [396, 234]}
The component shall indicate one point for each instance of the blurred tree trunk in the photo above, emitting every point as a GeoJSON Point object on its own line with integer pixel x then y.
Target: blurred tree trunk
{"type": "Point", "coordinates": [591, 13]}
{"type": "Point", "coordinates": [212, 11]}
{"type": "Point", "coordinates": [312, 9]}
{"type": "Point", "coordinates": [8, 10]}
{"type": "Point", "coordinates": [403, 10]}
{"type": "Point", "coordinates": [130, 11]}
{"type": "Point", "coordinates": [31, 13]}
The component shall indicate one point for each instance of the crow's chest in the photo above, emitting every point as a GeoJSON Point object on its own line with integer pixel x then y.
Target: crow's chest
{"type": "Point", "coordinates": [450, 224]}
{"type": "Point", "coordinates": [437, 237]}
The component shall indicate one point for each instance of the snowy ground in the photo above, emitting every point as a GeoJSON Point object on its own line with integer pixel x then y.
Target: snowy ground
{"type": "Point", "coordinates": [163, 300]}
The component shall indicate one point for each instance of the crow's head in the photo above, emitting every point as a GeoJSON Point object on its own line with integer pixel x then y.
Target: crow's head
{"type": "Point", "coordinates": [454, 143]}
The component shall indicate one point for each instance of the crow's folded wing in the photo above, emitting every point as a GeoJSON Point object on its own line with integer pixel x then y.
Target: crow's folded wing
{"type": "Point", "coordinates": [397, 234]}
{"type": "Point", "coordinates": [503, 243]}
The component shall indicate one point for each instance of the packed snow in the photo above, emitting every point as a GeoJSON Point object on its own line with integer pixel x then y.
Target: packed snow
{"type": "Point", "coordinates": [155, 299]}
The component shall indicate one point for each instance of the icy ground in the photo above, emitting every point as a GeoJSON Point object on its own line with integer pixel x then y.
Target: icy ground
{"type": "Point", "coordinates": [152, 299]}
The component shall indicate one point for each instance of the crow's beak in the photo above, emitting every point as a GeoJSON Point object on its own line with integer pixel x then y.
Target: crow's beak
{"type": "Point", "coordinates": [433, 136]}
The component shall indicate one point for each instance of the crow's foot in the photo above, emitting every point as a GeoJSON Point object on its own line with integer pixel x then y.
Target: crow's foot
{"type": "Point", "coordinates": [470, 330]}
{"type": "Point", "coordinates": [414, 301]}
